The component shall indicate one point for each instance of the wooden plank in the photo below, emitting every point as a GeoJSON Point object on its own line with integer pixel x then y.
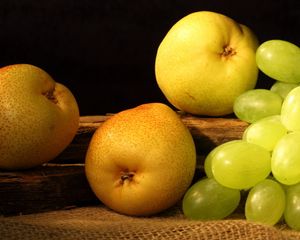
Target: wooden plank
{"type": "Point", "coordinates": [62, 182]}
{"type": "Point", "coordinates": [211, 132]}
{"type": "Point", "coordinates": [45, 188]}
{"type": "Point", "coordinates": [207, 133]}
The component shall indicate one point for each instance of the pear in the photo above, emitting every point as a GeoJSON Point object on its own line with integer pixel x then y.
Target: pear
{"type": "Point", "coordinates": [205, 61]}
{"type": "Point", "coordinates": [141, 160]}
{"type": "Point", "coordinates": [39, 117]}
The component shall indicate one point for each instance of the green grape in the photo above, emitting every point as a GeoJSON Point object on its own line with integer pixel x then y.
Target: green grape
{"type": "Point", "coordinates": [207, 161]}
{"type": "Point", "coordinates": [265, 202]}
{"type": "Point", "coordinates": [285, 162]}
{"type": "Point", "coordinates": [208, 200]}
{"type": "Point", "coordinates": [279, 60]}
{"type": "Point", "coordinates": [256, 104]}
{"type": "Point", "coordinates": [241, 165]}
{"type": "Point", "coordinates": [283, 88]}
{"type": "Point", "coordinates": [290, 111]}
{"type": "Point", "coordinates": [292, 209]}
{"type": "Point", "coordinates": [266, 132]}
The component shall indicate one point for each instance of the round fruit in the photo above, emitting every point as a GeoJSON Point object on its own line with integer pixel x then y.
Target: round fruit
{"type": "Point", "coordinates": [279, 60]}
{"type": "Point", "coordinates": [265, 132]}
{"type": "Point", "coordinates": [286, 159]}
{"type": "Point", "coordinates": [283, 88]}
{"type": "Point", "coordinates": [265, 202]}
{"type": "Point", "coordinates": [205, 61]}
{"type": "Point", "coordinates": [39, 117]}
{"type": "Point", "coordinates": [256, 104]}
{"type": "Point", "coordinates": [211, 155]}
{"type": "Point", "coordinates": [290, 111]}
{"type": "Point", "coordinates": [141, 160]}
{"type": "Point", "coordinates": [240, 165]}
{"type": "Point", "coordinates": [208, 200]}
{"type": "Point", "coordinates": [292, 210]}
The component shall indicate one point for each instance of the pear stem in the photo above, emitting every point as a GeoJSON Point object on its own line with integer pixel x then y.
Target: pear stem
{"type": "Point", "coordinates": [127, 176]}
{"type": "Point", "coordinates": [228, 51]}
{"type": "Point", "coordinates": [50, 96]}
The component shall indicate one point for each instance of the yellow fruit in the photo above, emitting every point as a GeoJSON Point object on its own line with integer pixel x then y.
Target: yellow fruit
{"type": "Point", "coordinates": [204, 62]}
{"type": "Point", "coordinates": [38, 119]}
{"type": "Point", "coordinates": [141, 160]}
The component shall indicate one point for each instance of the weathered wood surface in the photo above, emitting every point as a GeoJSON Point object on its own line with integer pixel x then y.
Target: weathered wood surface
{"type": "Point", "coordinates": [207, 133]}
{"type": "Point", "coordinates": [48, 187]}
{"type": "Point", "coordinates": [62, 182]}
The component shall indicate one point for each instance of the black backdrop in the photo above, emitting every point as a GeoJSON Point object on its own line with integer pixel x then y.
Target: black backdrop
{"type": "Point", "coordinates": [104, 51]}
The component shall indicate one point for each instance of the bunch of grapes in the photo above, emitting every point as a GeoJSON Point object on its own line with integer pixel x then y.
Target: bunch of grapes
{"type": "Point", "coordinates": [265, 163]}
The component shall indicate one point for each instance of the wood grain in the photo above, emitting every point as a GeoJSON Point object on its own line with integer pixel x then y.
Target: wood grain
{"type": "Point", "coordinates": [62, 182]}
{"type": "Point", "coordinates": [48, 187]}
{"type": "Point", "coordinates": [207, 134]}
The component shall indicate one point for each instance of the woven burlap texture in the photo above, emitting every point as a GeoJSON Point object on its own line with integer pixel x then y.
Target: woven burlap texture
{"type": "Point", "coordinates": [98, 222]}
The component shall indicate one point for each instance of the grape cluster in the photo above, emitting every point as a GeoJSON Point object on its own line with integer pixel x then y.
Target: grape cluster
{"type": "Point", "coordinates": [265, 163]}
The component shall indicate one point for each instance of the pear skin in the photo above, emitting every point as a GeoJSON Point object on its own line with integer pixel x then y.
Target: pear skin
{"type": "Point", "coordinates": [141, 160]}
{"type": "Point", "coordinates": [39, 117]}
{"type": "Point", "coordinates": [205, 61]}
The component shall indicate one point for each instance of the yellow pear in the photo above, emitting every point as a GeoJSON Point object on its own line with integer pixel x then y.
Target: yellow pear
{"type": "Point", "coordinates": [38, 117]}
{"type": "Point", "coordinates": [141, 160]}
{"type": "Point", "coordinates": [205, 61]}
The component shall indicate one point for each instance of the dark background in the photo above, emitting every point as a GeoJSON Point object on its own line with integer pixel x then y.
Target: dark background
{"type": "Point", "coordinates": [104, 51]}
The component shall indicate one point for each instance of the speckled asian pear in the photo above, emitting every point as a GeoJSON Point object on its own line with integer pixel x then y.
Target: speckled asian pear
{"type": "Point", "coordinates": [141, 160]}
{"type": "Point", "coordinates": [38, 117]}
{"type": "Point", "coordinates": [205, 61]}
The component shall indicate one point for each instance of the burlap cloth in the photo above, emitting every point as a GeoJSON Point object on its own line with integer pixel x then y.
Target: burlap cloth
{"type": "Point", "coordinates": [98, 222]}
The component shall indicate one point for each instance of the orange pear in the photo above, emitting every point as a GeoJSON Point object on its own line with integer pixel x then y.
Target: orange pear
{"type": "Point", "coordinates": [39, 117]}
{"type": "Point", "coordinates": [141, 160]}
